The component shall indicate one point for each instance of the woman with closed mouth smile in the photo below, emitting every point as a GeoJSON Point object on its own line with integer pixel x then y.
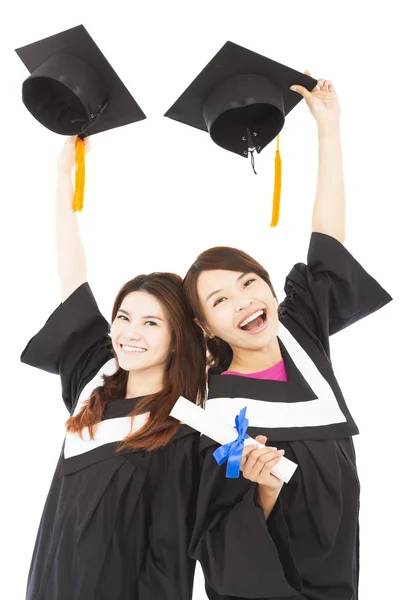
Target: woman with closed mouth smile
{"type": "Point", "coordinates": [254, 536]}
{"type": "Point", "coordinates": [117, 521]}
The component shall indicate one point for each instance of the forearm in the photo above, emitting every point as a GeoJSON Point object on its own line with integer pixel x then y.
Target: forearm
{"type": "Point", "coordinates": [329, 207]}
{"type": "Point", "coordinates": [267, 498]}
{"type": "Point", "coordinates": [71, 259]}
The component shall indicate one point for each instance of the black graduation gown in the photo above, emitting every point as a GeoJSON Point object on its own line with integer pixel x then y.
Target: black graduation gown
{"type": "Point", "coordinates": [114, 527]}
{"type": "Point", "coordinates": [308, 547]}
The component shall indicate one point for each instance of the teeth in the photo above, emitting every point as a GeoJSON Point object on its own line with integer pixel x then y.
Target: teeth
{"type": "Point", "coordinates": [133, 349]}
{"type": "Point", "coordinates": [251, 318]}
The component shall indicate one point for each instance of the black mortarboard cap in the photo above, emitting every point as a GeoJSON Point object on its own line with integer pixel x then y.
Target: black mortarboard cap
{"type": "Point", "coordinates": [72, 88]}
{"type": "Point", "coordinates": [241, 98]}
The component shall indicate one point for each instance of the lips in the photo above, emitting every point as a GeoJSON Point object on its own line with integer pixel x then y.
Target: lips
{"type": "Point", "coordinates": [129, 349]}
{"type": "Point", "coordinates": [255, 322]}
{"type": "Point", "coordinates": [254, 313]}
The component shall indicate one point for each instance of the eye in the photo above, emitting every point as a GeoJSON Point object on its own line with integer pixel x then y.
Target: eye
{"type": "Point", "coordinates": [219, 301]}
{"type": "Point", "coordinates": [151, 322]}
{"type": "Point", "coordinates": [248, 282]}
{"type": "Point", "coordinates": [122, 317]}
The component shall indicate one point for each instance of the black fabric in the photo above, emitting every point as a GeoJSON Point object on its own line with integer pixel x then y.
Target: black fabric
{"type": "Point", "coordinates": [314, 526]}
{"type": "Point", "coordinates": [236, 91]}
{"type": "Point", "coordinates": [332, 291]}
{"type": "Point", "coordinates": [114, 526]}
{"type": "Point", "coordinates": [74, 343]}
{"type": "Point", "coordinates": [119, 529]}
{"type": "Point", "coordinates": [72, 88]}
{"type": "Point", "coordinates": [238, 550]}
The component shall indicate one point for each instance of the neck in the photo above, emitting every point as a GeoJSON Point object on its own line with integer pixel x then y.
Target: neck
{"type": "Point", "coordinates": [145, 382]}
{"type": "Point", "coordinates": [251, 361]}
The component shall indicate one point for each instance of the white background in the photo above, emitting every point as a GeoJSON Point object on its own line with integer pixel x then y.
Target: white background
{"type": "Point", "coordinates": [158, 193]}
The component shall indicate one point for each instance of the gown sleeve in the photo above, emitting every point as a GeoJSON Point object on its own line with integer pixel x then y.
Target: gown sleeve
{"type": "Point", "coordinates": [332, 290]}
{"type": "Point", "coordinates": [74, 343]}
{"type": "Point", "coordinates": [241, 554]}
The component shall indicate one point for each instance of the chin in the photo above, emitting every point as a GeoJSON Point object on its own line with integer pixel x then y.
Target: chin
{"type": "Point", "coordinates": [256, 345]}
{"type": "Point", "coordinates": [257, 342]}
{"type": "Point", "coordinates": [130, 365]}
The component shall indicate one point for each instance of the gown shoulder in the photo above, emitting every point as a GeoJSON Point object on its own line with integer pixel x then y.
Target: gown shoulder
{"type": "Point", "coordinates": [74, 343]}
{"type": "Point", "coordinates": [331, 291]}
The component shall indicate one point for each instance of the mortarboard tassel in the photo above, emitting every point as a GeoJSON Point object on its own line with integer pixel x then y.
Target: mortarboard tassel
{"type": "Point", "coordinates": [79, 175]}
{"type": "Point", "coordinates": [277, 187]}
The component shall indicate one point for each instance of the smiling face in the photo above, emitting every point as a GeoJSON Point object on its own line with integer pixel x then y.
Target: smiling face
{"type": "Point", "coordinates": [239, 308]}
{"type": "Point", "coordinates": [141, 333]}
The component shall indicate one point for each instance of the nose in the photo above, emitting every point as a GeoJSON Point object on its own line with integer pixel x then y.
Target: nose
{"type": "Point", "coordinates": [131, 332]}
{"type": "Point", "coordinates": [243, 302]}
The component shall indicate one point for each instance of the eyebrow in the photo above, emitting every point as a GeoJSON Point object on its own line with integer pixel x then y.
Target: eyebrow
{"type": "Point", "coordinates": [144, 316]}
{"type": "Point", "coordinates": [217, 291]}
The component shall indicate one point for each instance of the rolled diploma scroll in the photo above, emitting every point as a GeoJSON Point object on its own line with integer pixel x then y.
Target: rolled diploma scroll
{"type": "Point", "coordinates": [201, 420]}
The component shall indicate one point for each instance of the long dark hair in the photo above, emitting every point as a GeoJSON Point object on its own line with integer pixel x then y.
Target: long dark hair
{"type": "Point", "coordinates": [221, 258]}
{"type": "Point", "coordinates": [184, 376]}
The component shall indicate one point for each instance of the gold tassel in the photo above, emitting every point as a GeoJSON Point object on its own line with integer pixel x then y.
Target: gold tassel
{"type": "Point", "coordinates": [277, 187]}
{"type": "Point", "coordinates": [79, 176]}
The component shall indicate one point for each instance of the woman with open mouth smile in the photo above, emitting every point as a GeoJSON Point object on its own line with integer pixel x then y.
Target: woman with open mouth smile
{"type": "Point", "coordinates": [117, 520]}
{"type": "Point", "coordinates": [254, 536]}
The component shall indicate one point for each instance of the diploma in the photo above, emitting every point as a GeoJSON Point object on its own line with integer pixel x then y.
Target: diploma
{"type": "Point", "coordinates": [202, 421]}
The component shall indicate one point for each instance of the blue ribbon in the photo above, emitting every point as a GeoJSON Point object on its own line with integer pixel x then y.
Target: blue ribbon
{"type": "Point", "coordinates": [232, 452]}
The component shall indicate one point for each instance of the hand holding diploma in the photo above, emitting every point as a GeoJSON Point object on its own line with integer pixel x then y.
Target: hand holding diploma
{"type": "Point", "coordinates": [233, 440]}
{"type": "Point", "coordinates": [258, 463]}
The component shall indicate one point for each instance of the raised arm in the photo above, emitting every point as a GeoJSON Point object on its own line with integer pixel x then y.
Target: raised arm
{"type": "Point", "coordinates": [71, 257]}
{"type": "Point", "coordinates": [329, 206]}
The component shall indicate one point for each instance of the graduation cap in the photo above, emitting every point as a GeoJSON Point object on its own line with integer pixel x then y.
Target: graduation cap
{"type": "Point", "coordinates": [242, 98]}
{"type": "Point", "coordinates": [73, 90]}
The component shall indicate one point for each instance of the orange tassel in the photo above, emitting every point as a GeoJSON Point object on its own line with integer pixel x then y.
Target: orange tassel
{"type": "Point", "coordinates": [79, 176]}
{"type": "Point", "coordinates": [277, 187]}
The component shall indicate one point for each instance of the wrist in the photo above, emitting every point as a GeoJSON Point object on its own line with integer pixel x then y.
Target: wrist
{"type": "Point", "coordinates": [266, 498]}
{"type": "Point", "coordinates": [266, 492]}
{"type": "Point", "coordinates": [329, 130]}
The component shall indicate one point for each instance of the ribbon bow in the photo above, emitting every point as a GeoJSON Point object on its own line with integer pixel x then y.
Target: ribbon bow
{"type": "Point", "coordinates": [232, 452]}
